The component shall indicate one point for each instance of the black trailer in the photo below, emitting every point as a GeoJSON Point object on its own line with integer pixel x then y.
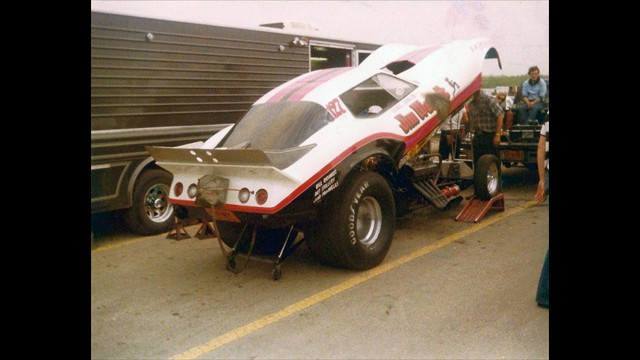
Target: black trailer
{"type": "Point", "coordinates": [168, 83]}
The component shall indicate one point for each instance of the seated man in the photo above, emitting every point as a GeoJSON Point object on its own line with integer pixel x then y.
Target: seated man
{"type": "Point", "coordinates": [533, 93]}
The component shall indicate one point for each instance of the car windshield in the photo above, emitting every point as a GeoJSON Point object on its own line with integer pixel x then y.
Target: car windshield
{"type": "Point", "coordinates": [277, 126]}
{"type": "Point", "coordinates": [375, 95]}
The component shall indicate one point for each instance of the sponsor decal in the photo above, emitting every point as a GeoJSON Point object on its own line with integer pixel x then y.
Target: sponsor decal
{"type": "Point", "coordinates": [325, 186]}
{"type": "Point", "coordinates": [454, 85]}
{"type": "Point", "coordinates": [421, 109]}
{"type": "Point", "coordinates": [410, 120]}
{"type": "Point", "coordinates": [407, 122]}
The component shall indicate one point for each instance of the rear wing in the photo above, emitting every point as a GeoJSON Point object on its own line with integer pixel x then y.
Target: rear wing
{"type": "Point", "coordinates": [277, 158]}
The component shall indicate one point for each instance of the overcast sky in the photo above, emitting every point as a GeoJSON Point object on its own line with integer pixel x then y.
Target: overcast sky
{"type": "Point", "coordinates": [519, 29]}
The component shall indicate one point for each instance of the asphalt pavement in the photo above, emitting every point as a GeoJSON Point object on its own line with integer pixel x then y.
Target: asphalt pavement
{"type": "Point", "coordinates": [446, 290]}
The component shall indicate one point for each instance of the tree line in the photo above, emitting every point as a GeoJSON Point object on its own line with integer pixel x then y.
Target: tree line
{"type": "Point", "coordinates": [503, 80]}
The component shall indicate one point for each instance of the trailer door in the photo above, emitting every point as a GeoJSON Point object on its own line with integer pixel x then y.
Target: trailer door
{"type": "Point", "coordinates": [361, 55]}
{"type": "Point", "coordinates": [323, 55]}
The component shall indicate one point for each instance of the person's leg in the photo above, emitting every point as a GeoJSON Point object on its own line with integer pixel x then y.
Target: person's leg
{"type": "Point", "coordinates": [483, 144]}
{"type": "Point", "coordinates": [534, 111]}
{"type": "Point", "coordinates": [443, 147]}
{"type": "Point", "coordinates": [456, 153]}
{"type": "Point", "coordinates": [486, 145]}
{"type": "Point", "coordinates": [508, 119]}
{"type": "Point", "coordinates": [475, 150]}
{"type": "Point", "coordinates": [479, 146]}
{"type": "Point", "coordinates": [542, 295]}
{"type": "Point", "coordinates": [521, 114]}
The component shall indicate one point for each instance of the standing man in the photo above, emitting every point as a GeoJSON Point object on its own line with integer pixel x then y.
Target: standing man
{"type": "Point", "coordinates": [533, 92]}
{"type": "Point", "coordinates": [485, 119]}
{"type": "Point", "coordinates": [542, 295]}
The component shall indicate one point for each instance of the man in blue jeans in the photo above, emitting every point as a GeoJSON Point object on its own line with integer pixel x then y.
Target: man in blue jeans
{"type": "Point", "coordinates": [542, 296]}
{"type": "Point", "coordinates": [533, 92]}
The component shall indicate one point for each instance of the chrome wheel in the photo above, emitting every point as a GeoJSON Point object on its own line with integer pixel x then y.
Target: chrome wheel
{"type": "Point", "coordinates": [157, 205]}
{"type": "Point", "coordinates": [369, 221]}
{"type": "Point", "coordinates": [493, 177]}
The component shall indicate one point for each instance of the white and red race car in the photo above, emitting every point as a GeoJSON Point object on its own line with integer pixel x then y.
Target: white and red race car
{"type": "Point", "coordinates": [335, 153]}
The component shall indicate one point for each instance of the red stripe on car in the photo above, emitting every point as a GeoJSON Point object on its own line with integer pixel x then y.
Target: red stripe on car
{"type": "Point", "coordinates": [285, 93]}
{"type": "Point", "coordinates": [311, 85]}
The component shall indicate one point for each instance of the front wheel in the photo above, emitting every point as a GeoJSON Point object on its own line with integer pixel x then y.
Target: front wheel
{"type": "Point", "coordinates": [151, 212]}
{"type": "Point", "coordinates": [486, 177]}
{"type": "Point", "coordinates": [356, 230]}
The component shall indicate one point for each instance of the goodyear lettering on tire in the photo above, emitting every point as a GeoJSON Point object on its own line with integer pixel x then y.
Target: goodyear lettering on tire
{"type": "Point", "coordinates": [351, 225]}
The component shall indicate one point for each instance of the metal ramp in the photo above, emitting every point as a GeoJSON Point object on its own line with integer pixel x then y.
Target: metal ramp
{"type": "Point", "coordinates": [476, 209]}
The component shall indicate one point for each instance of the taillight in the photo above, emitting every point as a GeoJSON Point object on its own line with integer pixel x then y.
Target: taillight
{"type": "Point", "coordinates": [177, 188]}
{"type": "Point", "coordinates": [261, 196]}
{"type": "Point", "coordinates": [192, 190]}
{"type": "Point", "coordinates": [243, 195]}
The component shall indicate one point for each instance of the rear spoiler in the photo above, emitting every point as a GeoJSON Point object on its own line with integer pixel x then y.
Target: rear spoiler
{"type": "Point", "coordinates": [277, 158]}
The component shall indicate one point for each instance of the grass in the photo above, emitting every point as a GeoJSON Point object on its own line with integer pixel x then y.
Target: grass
{"type": "Point", "coordinates": [503, 80]}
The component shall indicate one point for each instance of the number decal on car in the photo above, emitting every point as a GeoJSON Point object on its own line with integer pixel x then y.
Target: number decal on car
{"type": "Point", "coordinates": [335, 108]}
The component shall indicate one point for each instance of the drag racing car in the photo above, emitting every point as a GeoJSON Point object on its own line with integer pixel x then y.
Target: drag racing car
{"type": "Point", "coordinates": [336, 155]}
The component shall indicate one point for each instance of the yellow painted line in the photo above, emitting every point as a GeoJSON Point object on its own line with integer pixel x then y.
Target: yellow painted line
{"type": "Point", "coordinates": [124, 243]}
{"type": "Point", "coordinates": [119, 244]}
{"type": "Point", "coordinates": [336, 289]}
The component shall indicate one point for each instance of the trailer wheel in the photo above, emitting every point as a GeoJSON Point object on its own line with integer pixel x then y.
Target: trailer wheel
{"type": "Point", "coordinates": [486, 178]}
{"type": "Point", "coordinates": [268, 241]}
{"type": "Point", "coordinates": [356, 229]}
{"type": "Point", "coordinates": [151, 212]}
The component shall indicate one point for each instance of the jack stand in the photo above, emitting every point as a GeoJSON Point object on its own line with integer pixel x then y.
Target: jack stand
{"type": "Point", "coordinates": [180, 232]}
{"type": "Point", "coordinates": [476, 209]}
{"type": "Point", "coordinates": [231, 256]}
{"type": "Point", "coordinates": [206, 231]}
{"type": "Point", "coordinates": [287, 249]}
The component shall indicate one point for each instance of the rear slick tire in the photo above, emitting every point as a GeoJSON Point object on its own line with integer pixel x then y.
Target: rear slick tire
{"type": "Point", "coordinates": [356, 228]}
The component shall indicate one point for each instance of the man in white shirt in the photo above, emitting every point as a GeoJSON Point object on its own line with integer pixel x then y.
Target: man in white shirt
{"type": "Point", "coordinates": [543, 163]}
